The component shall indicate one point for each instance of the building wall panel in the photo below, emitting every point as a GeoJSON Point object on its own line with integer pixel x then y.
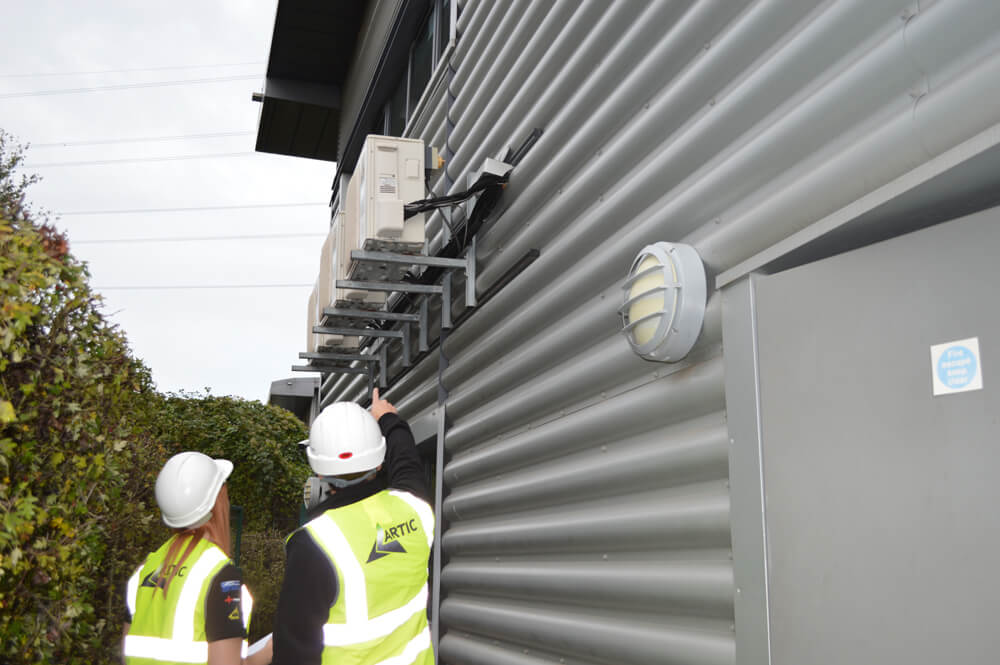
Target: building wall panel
{"type": "Point", "coordinates": [588, 510]}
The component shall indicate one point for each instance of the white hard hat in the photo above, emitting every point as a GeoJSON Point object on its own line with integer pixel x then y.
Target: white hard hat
{"type": "Point", "coordinates": [344, 438]}
{"type": "Point", "coordinates": [187, 487]}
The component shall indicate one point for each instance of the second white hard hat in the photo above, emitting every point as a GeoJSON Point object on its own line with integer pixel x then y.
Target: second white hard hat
{"type": "Point", "coordinates": [187, 487]}
{"type": "Point", "coordinates": [344, 438]}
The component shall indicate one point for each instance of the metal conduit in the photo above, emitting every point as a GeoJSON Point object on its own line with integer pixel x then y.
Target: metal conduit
{"type": "Point", "coordinates": [668, 400]}
{"type": "Point", "coordinates": [655, 459]}
{"type": "Point", "coordinates": [635, 638]}
{"type": "Point", "coordinates": [690, 517]}
{"type": "Point", "coordinates": [699, 588]}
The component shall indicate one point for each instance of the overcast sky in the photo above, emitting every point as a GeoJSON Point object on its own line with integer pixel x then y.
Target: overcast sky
{"type": "Point", "coordinates": [232, 341]}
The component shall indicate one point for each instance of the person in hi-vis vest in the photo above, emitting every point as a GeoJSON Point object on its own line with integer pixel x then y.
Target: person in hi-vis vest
{"type": "Point", "coordinates": [355, 585]}
{"type": "Point", "coordinates": [187, 602]}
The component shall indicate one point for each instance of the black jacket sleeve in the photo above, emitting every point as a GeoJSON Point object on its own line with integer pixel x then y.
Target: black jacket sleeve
{"type": "Point", "coordinates": [308, 592]}
{"type": "Point", "coordinates": [223, 609]}
{"type": "Point", "coordinates": [402, 464]}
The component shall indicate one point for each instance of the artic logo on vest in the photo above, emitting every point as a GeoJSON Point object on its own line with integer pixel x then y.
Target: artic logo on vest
{"type": "Point", "coordinates": [386, 539]}
{"type": "Point", "coordinates": [156, 581]}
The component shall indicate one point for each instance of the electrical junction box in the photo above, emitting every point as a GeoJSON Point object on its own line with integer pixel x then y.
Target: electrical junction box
{"type": "Point", "coordinates": [489, 165]}
{"type": "Point", "coordinates": [389, 174]}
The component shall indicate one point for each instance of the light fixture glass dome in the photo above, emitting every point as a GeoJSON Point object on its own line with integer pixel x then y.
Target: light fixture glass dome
{"type": "Point", "coordinates": [664, 303]}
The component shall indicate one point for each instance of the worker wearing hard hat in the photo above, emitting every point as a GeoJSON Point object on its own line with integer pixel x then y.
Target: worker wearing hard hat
{"type": "Point", "coordinates": [355, 586]}
{"type": "Point", "coordinates": [187, 602]}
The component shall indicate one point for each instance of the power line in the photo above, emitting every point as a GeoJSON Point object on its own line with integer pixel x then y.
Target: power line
{"type": "Point", "coordinates": [134, 160]}
{"type": "Point", "coordinates": [191, 209]}
{"type": "Point", "coordinates": [123, 71]}
{"type": "Point", "coordinates": [199, 286]}
{"type": "Point", "coordinates": [268, 236]}
{"type": "Point", "coordinates": [142, 139]}
{"type": "Point", "coordinates": [127, 86]}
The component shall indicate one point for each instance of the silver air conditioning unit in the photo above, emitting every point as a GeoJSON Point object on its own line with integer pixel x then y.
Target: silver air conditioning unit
{"type": "Point", "coordinates": [346, 230]}
{"type": "Point", "coordinates": [326, 284]}
{"type": "Point", "coordinates": [389, 174]}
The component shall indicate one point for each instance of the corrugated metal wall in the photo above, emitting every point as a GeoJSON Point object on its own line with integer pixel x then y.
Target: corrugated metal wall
{"type": "Point", "coordinates": [588, 515]}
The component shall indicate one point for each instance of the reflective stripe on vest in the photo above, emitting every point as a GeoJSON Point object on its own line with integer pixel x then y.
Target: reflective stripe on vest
{"type": "Point", "coordinates": [132, 591]}
{"type": "Point", "coordinates": [180, 645]}
{"type": "Point", "coordinates": [423, 509]}
{"type": "Point", "coordinates": [349, 627]}
{"type": "Point", "coordinates": [246, 607]}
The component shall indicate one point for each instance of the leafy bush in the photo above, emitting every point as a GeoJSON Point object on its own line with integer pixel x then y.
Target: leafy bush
{"type": "Point", "coordinates": [259, 440]}
{"type": "Point", "coordinates": [268, 472]}
{"type": "Point", "coordinates": [263, 562]}
{"type": "Point", "coordinates": [83, 435]}
{"type": "Point", "coordinates": [66, 385]}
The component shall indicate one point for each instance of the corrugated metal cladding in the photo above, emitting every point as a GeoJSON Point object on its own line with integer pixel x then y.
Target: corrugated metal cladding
{"type": "Point", "coordinates": [588, 514]}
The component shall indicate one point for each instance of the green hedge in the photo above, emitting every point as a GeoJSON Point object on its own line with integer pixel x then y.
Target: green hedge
{"type": "Point", "coordinates": [83, 435]}
{"type": "Point", "coordinates": [67, 382]}
{"type": "Point", "coordinates": [259, 439]}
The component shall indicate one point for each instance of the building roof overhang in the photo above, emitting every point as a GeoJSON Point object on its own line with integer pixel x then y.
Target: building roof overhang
{"type": "Point", "coordinates": [311, 50]}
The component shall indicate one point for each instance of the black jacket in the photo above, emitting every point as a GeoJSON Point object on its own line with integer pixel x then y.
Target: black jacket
{"type": "Point", "coordinates": [309, 589]}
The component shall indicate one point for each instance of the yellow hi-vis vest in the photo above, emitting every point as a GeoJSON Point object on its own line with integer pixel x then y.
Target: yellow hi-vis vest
{"type": "Point", "coordinates": [171, 629]}
{"type": "Point", "coordinates": [379, 548]}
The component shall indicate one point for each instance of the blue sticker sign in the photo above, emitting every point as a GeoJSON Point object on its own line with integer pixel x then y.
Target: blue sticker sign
{"type": "Point", "coordinates": [955, 367]}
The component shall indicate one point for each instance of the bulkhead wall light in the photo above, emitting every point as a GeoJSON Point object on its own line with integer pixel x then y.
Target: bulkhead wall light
{"type": "Point", "coordinates": [664, 303]}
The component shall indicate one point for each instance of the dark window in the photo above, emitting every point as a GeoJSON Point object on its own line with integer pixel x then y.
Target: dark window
{"type": "Point", "coordinates": [421, 62]}
{"type": "Point", "coordinates": [397, 109]}
{"type": "Point", "coordinates": [443, 27]}
{"type": "Point", "coordinates": [378, 123]}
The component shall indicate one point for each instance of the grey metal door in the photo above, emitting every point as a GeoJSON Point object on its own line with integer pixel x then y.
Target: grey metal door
{"type": "Point", "coordinates": [881, 521]}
